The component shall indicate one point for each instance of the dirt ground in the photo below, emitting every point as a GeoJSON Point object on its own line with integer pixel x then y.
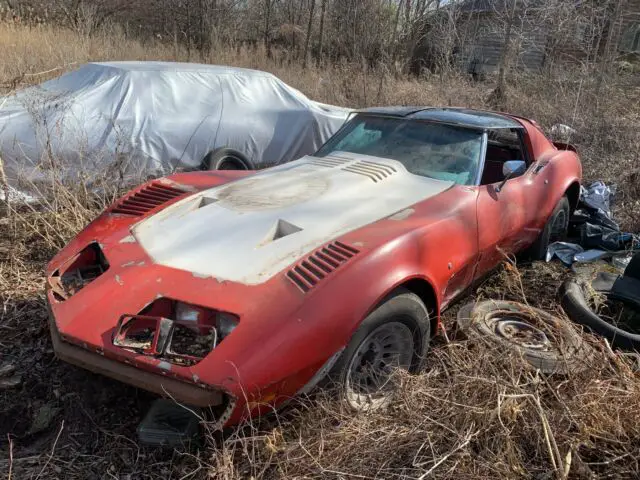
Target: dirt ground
{"type": "Point", "coordinates": [64, 422]}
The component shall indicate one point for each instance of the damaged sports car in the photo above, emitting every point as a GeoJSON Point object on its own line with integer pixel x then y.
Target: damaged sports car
{"type": "Point", "coordinates": [238, 290]}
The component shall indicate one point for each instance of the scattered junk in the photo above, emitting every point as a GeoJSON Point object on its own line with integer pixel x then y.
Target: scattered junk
{"type": "Point", "coordinates": [169, 424]}
{"type": "Point", "coordinates": [607, 303]}
{"type": "Point", "coordinates": [546, 342]}
{"type": "Point", "coordinates": [8, 378]}
{"type": "Point", "coordinates": [595, 233]}
{"type": "Point", "coordinates": [604, 294]}
{"type": "Point", "coordinates": [132, 120]}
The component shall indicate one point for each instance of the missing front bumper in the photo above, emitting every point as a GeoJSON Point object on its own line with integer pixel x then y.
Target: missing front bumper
{"type": "Point", "coordinates": [179, 391]}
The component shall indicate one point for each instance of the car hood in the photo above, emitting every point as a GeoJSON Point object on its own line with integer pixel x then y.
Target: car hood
{"type": "Point", "coordinates": [249, 230]}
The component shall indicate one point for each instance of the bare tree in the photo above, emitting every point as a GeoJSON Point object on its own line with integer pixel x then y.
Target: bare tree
{"type": "Point", "coordinates": [307, 41]}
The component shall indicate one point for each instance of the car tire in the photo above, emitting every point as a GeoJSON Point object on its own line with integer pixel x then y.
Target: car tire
{"type": "Point", "coordinates": [504, 323]}
{"type": "Point", "coordinates": [554, 230]}
{"type": "Point", "coordinates": [574, 298]}
{"type": "Point", "coordinates": [633, 269]}
{"type": "Point", "coordinates": [225, 159]}
{"type": "Point", "coordinates": [402, 320]}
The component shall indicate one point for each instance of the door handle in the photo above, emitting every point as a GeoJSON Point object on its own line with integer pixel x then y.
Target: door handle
{"type": "Point", "coordinates": [539, 167]}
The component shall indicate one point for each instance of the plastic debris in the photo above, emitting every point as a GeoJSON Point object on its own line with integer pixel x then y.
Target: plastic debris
{"type": "Point", "coordinates": [598, 196]}
{"type": "Point", "coordinates": [565, 251]}
{"type": "Point", "coordinates": [591, 256]}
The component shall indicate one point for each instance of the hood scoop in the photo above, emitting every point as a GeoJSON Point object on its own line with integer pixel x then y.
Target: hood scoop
{"type": "Point", "coordinates": [280, 229]}
{"type": "Point", "coordinates": [321, 263]}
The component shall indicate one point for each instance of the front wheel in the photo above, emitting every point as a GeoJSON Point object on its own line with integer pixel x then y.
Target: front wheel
{"type": "Point", "coordinates": [394, 336]}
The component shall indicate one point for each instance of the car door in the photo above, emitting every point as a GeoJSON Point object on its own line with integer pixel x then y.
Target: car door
{"type": "Point", "coordinates": [506, 210]}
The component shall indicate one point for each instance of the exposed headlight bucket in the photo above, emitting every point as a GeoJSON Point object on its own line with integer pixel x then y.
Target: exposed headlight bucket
{"type": "Point", "coordinates": [225, 324]}
{"type": "Point", "coordinates": [188, 313]}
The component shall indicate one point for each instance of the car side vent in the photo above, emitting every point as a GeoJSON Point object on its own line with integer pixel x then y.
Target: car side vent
{"type": "Point", "coordinates": [146, 199]}
{"type": "Point", "coordinates": [307, 273]}
{"type": "Point", "coordinates": [375, 171]}
{"type": "Point", "coordinates": [328, 162]}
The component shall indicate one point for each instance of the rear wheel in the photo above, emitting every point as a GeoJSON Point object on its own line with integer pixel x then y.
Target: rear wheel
{"type": "Point", "coordinates": [394, 336]}
{"type": "Point", "coordinates": [555, 230]}
{"type": "Point", "coordinates": [225, 159]}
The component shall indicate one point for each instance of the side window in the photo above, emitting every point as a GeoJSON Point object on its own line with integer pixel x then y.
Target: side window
{"type": "Point", "coordinates": [503, 145]}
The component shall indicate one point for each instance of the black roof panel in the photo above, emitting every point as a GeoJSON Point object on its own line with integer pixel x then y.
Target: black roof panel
{"type": "Point", "coordinates": [456, 116]}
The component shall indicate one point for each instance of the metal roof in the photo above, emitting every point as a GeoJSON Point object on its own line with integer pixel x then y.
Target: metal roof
{"type": "Point", "coordinates": [455, 116]}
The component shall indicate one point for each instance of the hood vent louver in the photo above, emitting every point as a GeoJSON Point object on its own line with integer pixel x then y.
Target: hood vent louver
{"type": "Point", "coordinates": [375, 171]}
{"type": "Point", "coordinates": [307, 273]}
{"type": "Point", "coordinates": [146, 199]}
{"type": "Point", "coordinates": [328, 162]}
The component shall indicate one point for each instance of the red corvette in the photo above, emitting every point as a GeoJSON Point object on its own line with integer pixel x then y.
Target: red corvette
{"type": "Point", "coordinates": [239, 290]}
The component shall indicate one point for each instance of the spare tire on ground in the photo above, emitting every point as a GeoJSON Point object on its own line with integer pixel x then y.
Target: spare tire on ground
{"type": "Point", "coordinates": [609, 305]}
{"type": "Point", "coordinates": [548, 343]}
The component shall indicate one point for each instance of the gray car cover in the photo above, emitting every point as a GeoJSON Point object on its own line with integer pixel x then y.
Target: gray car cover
{"type": "Point", "coordinates": [150, 118]}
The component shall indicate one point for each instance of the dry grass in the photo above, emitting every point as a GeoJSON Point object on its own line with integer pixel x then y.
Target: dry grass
{"type": "Point", "coordinates": [475, 412]}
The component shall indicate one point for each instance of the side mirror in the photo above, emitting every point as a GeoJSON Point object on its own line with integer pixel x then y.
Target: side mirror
{"type": "Point", "coordinates": [510, 169]}
{"type": "Point", "coordinates": [513, 168]}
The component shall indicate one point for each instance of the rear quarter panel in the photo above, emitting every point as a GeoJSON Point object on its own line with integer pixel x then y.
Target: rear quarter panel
{"type": "Point", "coordinates": [560, 170]}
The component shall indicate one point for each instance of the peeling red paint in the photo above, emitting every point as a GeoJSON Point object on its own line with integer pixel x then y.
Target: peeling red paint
{"type": "Point", "coordinates": [285, 335]}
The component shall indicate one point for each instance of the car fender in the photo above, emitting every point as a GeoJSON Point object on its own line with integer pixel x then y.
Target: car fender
{"type": "Point", "coordinates": [327, 319]}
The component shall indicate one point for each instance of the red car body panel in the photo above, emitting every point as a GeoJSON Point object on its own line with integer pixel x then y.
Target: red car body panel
{"type": "Point", "coordinates": [284, 335]}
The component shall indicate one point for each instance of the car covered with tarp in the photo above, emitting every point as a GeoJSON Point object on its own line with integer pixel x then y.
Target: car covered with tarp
{"type": "Point", "coordinates": [140, 119]}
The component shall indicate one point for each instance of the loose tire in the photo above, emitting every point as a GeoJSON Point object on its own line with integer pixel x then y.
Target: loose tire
{"type": "Point", "coordinates": [546, 342]}
{"type": "Point", "coordinates": [225, 159]}
{"type": "Point", "coordinates": [554, 230]}
{"type": "Point", "coordinates": [395, 335]}
{"type": "Point", "coordinates": [576, 300]}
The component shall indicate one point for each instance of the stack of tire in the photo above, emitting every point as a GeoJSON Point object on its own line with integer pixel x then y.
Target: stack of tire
{"type": "Point", "coordinates": [577, 298]}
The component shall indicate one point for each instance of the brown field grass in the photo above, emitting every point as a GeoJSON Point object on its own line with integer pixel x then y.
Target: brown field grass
{"type": "Point", "coordinates": [474, 413]}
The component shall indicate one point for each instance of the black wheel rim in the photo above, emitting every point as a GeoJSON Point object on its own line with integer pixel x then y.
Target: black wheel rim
{"type": "Point", "coordinates": [520, 329]}
{"type": "Point", "coordinates": [388, 347]}
{"type": "Point", "coordinates": [559, 227]}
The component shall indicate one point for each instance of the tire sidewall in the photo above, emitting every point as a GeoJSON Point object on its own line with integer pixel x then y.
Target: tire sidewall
{"type": "Point", "coordinates": [216, 158]}
{"type": "Point", "coordinates": [541, 245]}
{"type": "Point", "coordinates": [402, 307]}
{"type": "Point", "coordinates": [471, 321]}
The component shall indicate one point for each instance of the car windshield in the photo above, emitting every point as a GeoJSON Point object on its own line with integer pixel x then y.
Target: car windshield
{"type": "Point", "coordinates": [435, 150]}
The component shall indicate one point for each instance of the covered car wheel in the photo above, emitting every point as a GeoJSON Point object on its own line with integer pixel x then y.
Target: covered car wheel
{"type": "Point", "coordinates": [225, 159]}
{"type": "Point", "coordinates": [555, 230]}
{"type": "Point", "coordinates": [609, 306]}
{"type": "Point", "coordinates": [546, 342]}
{"type": "Point", "coordinates": [395, 335]}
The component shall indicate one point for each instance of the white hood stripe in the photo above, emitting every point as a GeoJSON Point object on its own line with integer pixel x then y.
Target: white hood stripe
{"type": "Point", "coordinates": [251, 229]}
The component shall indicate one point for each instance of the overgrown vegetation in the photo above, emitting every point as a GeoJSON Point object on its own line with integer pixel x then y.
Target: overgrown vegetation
{"type": "Point", "coordinates": [473, 413]}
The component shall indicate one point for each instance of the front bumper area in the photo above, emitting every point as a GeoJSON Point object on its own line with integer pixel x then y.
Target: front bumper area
{"type": "Point", "coordinates": [94, 362]}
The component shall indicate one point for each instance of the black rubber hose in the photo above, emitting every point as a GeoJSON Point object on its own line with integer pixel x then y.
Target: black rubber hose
{"type": "Point", "coordinates": [575, 305]}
